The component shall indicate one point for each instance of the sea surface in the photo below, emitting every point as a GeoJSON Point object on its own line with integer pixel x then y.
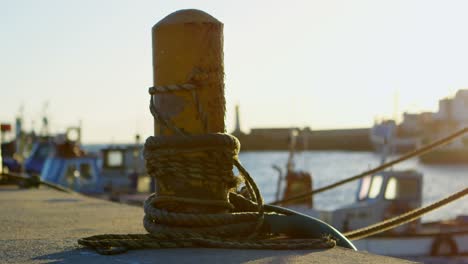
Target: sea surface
{"type": "Point", "coordinates": [330, 166]}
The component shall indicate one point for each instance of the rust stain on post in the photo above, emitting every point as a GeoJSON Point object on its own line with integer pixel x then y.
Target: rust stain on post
{"type": "Point", "coordinates": [188, 49]}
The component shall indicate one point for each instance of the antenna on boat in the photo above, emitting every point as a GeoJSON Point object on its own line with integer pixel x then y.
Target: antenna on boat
{"type": "Point", "coordinates": [305, 143]}
{"type": "Point", "coordinates": [292, 148]}
{"type": "Point", "coordinates": [396, 99]}
{"type": "Point", "coordinates": [386, 145]}
{"type": "Point", "coordinates": [44, 131]}
{"type": "Point", "coordinates": [19, 136]}
{"type": "Point", "coordinates": [136, 153]}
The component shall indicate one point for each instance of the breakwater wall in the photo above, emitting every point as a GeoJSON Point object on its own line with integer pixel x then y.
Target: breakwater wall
{"type": "Point", "coordinates": [279, 139]}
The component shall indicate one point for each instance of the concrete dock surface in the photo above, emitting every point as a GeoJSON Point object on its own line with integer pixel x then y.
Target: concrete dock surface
{"type": "Point", "coordinates": [43, 226]}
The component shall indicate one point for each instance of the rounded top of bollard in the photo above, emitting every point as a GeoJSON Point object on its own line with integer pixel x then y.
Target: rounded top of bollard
{"type": "Point", "coordinates": [188, 16]}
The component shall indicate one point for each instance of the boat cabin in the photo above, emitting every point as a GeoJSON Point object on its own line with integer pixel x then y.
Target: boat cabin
{"type": "Point", "coordinates": [122, 166]}
{"type": "Point", "coordinates": [39, 153]}
{"type": "Point", "coordinates": [379, 197]}
{"type": "Point", "coordinates": [69, 166]}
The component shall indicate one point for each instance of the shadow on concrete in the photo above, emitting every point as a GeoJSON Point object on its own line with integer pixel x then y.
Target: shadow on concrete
{"type": "Point", "coordinates": [188, 255]}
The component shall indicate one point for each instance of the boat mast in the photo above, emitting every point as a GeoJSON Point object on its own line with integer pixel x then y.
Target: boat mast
{"type": "Point", "coordinates": [44, 132]}
{"type": "Point", "coordinates": [292, 149]}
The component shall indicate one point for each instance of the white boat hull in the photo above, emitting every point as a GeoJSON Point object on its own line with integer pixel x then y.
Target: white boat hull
{"type": "Point", "coordinates": [403, 246]}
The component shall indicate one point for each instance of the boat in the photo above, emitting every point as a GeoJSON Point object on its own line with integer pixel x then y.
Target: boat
{"type": "Point", "coordinates": [114, 173]}
{"type": "Point", "coordinates": [392, 193]}
{"type": "Point", "coordinates": [295, 181]}
{"type": "Point", "coordinates": [446, 156]}
{"type": "Point", "coordinates": [124, 174]}
{"type": "Point", "coordinates": [9, 160]}
{"type": "Point", "coordinates": [115, 170]}
{"type": "Point", "coordinates": [26, 151]}
{"type": "Point", "coordinates": [40, 150]}
{"type": "Point", "coordinates": [386, 135]}
{"type": "Point", "coordinates": [69, 166]}
{"type": "Point", "coordinates": [382, 196]}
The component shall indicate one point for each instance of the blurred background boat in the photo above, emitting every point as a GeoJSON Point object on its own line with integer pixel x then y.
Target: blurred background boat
{"type": "Point", "coordinates": [378, 197]}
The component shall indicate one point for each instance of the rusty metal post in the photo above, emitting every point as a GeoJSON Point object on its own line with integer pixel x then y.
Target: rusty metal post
{"type": "Point", "coordinates": [188, 49]}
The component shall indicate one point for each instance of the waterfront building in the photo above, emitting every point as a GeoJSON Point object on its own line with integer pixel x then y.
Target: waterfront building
{"type": "Point", "coordinates": [452, 115]}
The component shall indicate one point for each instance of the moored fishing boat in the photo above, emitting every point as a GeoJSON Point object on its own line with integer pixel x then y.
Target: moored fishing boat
{"type": "Point", "coordinates": [69, 166]}
{"type": "Point", "coordinates": [385, 195]}
{"type": "Point", "coordinates": [112, 173]}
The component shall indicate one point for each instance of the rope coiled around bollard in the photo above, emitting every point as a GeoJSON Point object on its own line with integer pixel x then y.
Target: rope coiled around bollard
{"type": "Point", "coordinates": [196, 204]}
{"type": "Point", "coordinates": [219, 217]}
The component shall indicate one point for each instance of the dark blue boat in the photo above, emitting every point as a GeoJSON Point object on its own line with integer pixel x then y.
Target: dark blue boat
{"type": "Point", "coordinates": [68, 165]}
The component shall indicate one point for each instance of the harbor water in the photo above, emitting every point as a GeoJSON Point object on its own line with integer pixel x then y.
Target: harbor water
{"type": "Point", "coordinates": [330, 166]}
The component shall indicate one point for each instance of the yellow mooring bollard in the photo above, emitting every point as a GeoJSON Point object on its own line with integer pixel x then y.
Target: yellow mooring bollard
{"type": "Point", "coordinates": [188, 99]}
{"type": "Point", "coordinates": [196, 203]}
{"type": "Point", "coordinates": [188, 63]}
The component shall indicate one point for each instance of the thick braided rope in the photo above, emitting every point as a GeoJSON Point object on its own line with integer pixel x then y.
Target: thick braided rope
{"type": "Point", "coordinates": [213, 164]}
{"type": "Point", "coordinates": [240, 227]}
{"type": "Point", "coordinates": [197, 76]}
{"type": "Point", "coordinates": [116, 244]}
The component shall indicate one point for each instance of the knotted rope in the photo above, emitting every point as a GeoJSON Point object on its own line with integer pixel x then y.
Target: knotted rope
{"type": "Point", "coordinates": [196, 204]}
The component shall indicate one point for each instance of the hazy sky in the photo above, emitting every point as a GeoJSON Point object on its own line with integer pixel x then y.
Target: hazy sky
{"type": "Point", "coordinates": [323, 64]}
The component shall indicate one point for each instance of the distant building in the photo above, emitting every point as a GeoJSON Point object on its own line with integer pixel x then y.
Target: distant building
{"type": "Point", "coordinates": [425, 127]}
{"type": "Point", "coordinates": [452, 115]}
{"type": "Point", "coordinates": [414, 124]}
{"type": "Point", "coordinates": [454, 109]}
